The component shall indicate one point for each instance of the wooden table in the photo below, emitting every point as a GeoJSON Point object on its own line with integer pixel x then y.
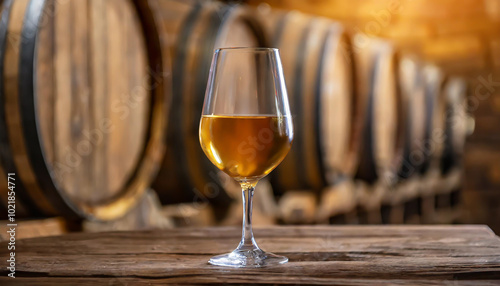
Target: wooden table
{"type": "Point", "coordinates": [334, 255]}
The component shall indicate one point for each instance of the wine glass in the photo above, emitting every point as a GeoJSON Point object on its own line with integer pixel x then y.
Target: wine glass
{"type": "Point", "coordinates": [246, 130]}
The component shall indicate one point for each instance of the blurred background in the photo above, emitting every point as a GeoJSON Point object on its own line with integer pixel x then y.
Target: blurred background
{"type": "Point", "coordinates": [396, 107]}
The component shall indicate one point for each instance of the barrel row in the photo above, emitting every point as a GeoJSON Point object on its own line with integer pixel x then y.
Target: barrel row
{"type": "Point", "coordinates": [364, 113]}
{"type": "Point", "coordinates": [86, 130]}
{"type": "Point", "coordinates": [394, 112]}
{"type": "Point", "coordinates": [361, 108]}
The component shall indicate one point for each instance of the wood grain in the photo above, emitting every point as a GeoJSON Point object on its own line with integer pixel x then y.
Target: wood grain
{"type": "Point", "coordinates": [98, 104]}
{"type": "Point", "coordinates": [6, 160]}
{"type": "Point", "coordinates": [322, 255]}
{"type": "Point", "coordinates": [88, 41]}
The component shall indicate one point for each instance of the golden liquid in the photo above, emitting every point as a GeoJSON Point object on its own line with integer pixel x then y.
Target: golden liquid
{"type": "Point", "coordinates": [245, 147]}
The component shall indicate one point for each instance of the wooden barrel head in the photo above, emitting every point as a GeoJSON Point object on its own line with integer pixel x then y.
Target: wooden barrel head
{"type": "Point", "coordinates": [84, 93]}
{"type": "Point", "coordinates": [92, 97]}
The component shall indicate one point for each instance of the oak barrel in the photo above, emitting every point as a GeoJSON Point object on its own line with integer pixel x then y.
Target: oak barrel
{"type": "Point", "coordinates": [318, 69]}
{"type": "Point", "coordinates": [83, 96]}
{"type": "Point", "coordinates": [195, 29]}
{"type": "Point", "coordinates": [379, 109]}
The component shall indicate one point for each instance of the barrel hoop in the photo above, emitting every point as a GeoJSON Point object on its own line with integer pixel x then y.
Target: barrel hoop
{"type": "Point", "coordinates": [6, 149]}
{"type": "Point", "coordinates": [448, 159]}
{"type": "Point", "coordinates": [276, 177]}
{"type": "Point", "coordinates": [298, 105]}
{"type": "Point", "coordinates": [160, 105]}
{"type": "Point", "coordinates": [401, 130]}
{"type": "Point", "coordinates": [402, 115]}
{"type": "Point", "coordinates": [369, 168]}
{"type": "Point", "coordinates": [452, 154]}
{"type": "Point", "coordinates": [6, 160]}
{"type": "Point", "coordinates": [280, 28]}
{"type": "Point", "coordinates": [24, 204]}
{"type": "Point", "coordinates": [218, 18]}
{"type": "Point", "coordinates": [4, 192]}
{"type": "Point", "coordinates": [256, 28]}
{"type": "Point", "coordinates": [403, 170]}
{"type": "Point", "coordinates": [354, 134]}
{"type": "Point", "coordinates": [342, 45]}
{"type": "Point", "coordinates": [28, 109]}
{"type": "Point", "coordinates": [317, 110]}
{"type": "Point", "coordinates": [178, 92]}
{"type": "Point", "coordinates": [433, 88]}
{"type": "Point", "coordinates": [429, 106]}
{"type": "Point", "coordinates": [188, 151]}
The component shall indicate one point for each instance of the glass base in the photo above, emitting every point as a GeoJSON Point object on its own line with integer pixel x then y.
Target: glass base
{"type": "Point", "coordinates": [248, 258]}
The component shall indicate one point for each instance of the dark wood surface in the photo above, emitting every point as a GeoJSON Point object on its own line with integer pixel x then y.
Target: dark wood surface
{"type": "Point", "coordinates": [344, 255]}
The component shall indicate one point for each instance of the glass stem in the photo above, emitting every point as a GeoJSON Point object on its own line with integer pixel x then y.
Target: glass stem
{"type": "Point", "coordinates": [247, 240]}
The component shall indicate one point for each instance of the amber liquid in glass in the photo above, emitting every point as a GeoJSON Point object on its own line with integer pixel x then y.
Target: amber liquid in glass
{"type": "Point", "coordinates": [245, 147]}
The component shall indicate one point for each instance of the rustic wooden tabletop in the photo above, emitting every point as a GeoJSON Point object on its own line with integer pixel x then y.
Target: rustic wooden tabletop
{"type": "Point", "coordinates": [333, 255]}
